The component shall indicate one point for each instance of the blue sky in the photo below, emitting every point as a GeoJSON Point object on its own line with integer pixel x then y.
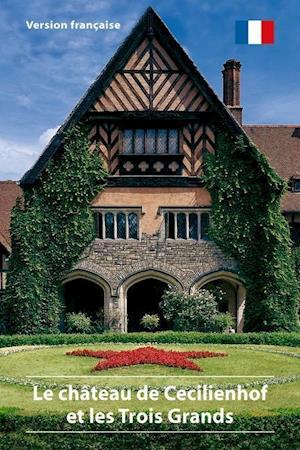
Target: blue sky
{"type": "Point", "coordinates": [44, 73]}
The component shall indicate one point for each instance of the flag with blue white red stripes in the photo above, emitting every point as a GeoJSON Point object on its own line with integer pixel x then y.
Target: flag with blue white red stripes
{"type": "Point", "coordinates": [254, 32]}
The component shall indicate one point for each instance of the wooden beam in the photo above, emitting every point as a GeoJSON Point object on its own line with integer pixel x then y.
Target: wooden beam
{"type": "Point", "coordinates": [119, 116]}
{"type": "Point", "coordinates": [154, 181]}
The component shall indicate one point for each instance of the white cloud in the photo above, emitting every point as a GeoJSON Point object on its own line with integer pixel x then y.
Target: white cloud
{"type": "Point", "coordinates": [23, 100]}
{"type": "Point", "coordinates": [47, 135]}
{"type": "Point", "coordinates": [16, 157]}
{"type": "Point", "coordinates": [274, 109]}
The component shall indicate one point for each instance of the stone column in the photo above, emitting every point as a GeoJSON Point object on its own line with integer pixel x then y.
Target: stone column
{"type": "Point", "coordinates": [240, 305]}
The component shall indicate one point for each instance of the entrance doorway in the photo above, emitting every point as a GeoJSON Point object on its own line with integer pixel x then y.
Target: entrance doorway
{"type": "Point", "coordinates": [144, 298]}
{"type": "Point", "coordinates": [84, 296]}
{"type": "Point", "coordinates": [226, 295]}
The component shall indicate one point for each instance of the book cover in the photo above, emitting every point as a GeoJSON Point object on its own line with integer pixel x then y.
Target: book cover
{"type": "Point", "coordinates": [149, 225]}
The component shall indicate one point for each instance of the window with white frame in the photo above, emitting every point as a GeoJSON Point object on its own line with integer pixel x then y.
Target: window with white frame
{"type": "Point", "coordinates": [186, 224]}
{"type": "Point", "coordinates": [117, 224]}
{"type": "Point", "coordinates": [296, 185]}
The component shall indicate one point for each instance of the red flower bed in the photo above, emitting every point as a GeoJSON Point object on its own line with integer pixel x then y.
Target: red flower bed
{"type": "Point", "coordinates": [145, 355]}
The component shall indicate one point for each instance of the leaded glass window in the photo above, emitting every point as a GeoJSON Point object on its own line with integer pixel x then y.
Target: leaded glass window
{"type": "Point", "coordinates": [296, 185]}
{"type": "Point", "coordinates": [181, 226]}
{"type": "Point", "coordinates": [117, 225]}
{"type": "Point", "coordinates": [133, 225]}
{"type": "Point", "coordinates": [186, 225]}
{"type": "Point", "coordinates": [193, 226]}
{"type": "Point", "coordinates": [170, 225]}
{"type": "Point", "coordinates": [204, 225]}
{"type": "Point", "coordinates": [139, 142]}
{"type": "Point", "coordinates": [99, 225]}
{"type": "Point", "coordinates": [121, 226]}
{"type": "Point", "coordinates": [162, 143]}
{"type": "Point", "coordinates": [173, 141]}
{"type": "Point", "coordinates": [109, 225]}
{"type": "Point", "coordinates": [127, 141]}
{"type": "Point", "coordinates": [151, 140]}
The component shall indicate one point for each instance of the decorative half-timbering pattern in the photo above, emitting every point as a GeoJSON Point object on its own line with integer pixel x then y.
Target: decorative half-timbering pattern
{"type": "Point", "coordinates": [151, 80]}
{"type": "Point", "coordinates": [196, 140]}
{"type": "Point", "coordinates": [105, 138]}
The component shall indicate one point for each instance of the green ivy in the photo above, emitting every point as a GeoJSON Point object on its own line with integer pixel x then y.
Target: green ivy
{"type": "Point", "coordinates": [248, 226]}
{"type": "Point", "coordinates": [50, 228]}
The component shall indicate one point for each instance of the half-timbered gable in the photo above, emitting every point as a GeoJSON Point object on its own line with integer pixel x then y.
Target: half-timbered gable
{"type": "Point", "coordinates": [150, 80]}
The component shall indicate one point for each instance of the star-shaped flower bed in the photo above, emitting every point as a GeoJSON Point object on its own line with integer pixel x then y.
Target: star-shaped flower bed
{"type": "Point", "coordinates": [145, 355]}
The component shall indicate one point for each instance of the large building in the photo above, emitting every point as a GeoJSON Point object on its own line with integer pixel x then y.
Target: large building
{"type": "Point", "coordinates": [9, 192]}
{"type": "Point", "coordinates": [153, 116]}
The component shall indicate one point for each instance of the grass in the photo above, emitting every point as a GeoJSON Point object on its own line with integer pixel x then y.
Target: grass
{"type": "Point", "coordinates": [241, 360]}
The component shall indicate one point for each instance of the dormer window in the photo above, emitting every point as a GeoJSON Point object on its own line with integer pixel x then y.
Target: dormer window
{"type": "Point", "coordinates": [296, 185]}
{"type": "Point", "coordinates": [151, 141]}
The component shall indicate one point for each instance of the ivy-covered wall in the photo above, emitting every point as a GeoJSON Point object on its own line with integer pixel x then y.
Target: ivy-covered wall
{"type": "Point", "coordinates": [247, 225]}
{"type": "Point", "coordinates": [53, 224]}
{"type": "Point", "coordinates": [50, 228]}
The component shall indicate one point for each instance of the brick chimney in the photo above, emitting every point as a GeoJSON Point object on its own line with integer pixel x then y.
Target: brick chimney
{"type": "Point", "coordinates": [231, 88]}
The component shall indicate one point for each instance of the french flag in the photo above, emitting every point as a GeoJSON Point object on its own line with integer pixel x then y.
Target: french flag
{"type": "Point", "coordinates": [255, 32]}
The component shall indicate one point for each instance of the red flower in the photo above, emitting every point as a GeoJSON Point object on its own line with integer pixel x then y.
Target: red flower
{"type": "Point", "coordinates": [145, 355]}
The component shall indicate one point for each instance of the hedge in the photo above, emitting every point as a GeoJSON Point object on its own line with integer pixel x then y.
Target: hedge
{"type": "Point", "coordinates": [13, 427]}
{"type": "Point", "coordinates": [167, 337]}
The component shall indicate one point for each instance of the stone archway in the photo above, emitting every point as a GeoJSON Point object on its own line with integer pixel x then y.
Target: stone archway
{"type": "Point", "coordinates": [234, 290]}
{"type": "Point", "coordinates": [86, 292]}
{"type": "Point", "coordinates": [143, 298]}
{"type": "Point", "coordinates": [135, 296]}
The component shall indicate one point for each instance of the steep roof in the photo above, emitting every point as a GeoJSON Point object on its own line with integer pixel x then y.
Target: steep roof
{"type": "Point", "coordinates": [281, 145]}
{"type": "Point", "coordinates": [149, 24]}
{"type": "Point", "coordinates": [9, 192]}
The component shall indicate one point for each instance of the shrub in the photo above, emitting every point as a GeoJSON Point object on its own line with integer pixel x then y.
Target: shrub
{"type": "Point", "coordinates": [98, 324]}
{"type": "Point", "coordinates": [160, 337]}
{"type": "Point", "coordinates": [190, 312]}
{"type": "Point", "coordinates": [13, 434]}
{"type": "Point", "coordinates": [150, 322]}
{"type": "Point", "coordinates": [220, 296]}
{"type": "Point", "coordinates": [78, 323]}
{"type": "Point", "coordinates": [223, 322]}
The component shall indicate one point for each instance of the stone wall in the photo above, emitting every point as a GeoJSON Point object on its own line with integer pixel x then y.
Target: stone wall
{"type": "Point", "coordinates": [186, 261]}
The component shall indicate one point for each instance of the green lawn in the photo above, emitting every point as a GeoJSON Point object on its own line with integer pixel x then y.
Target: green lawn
{"type": "Point", "coordinates": [242, 360]}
